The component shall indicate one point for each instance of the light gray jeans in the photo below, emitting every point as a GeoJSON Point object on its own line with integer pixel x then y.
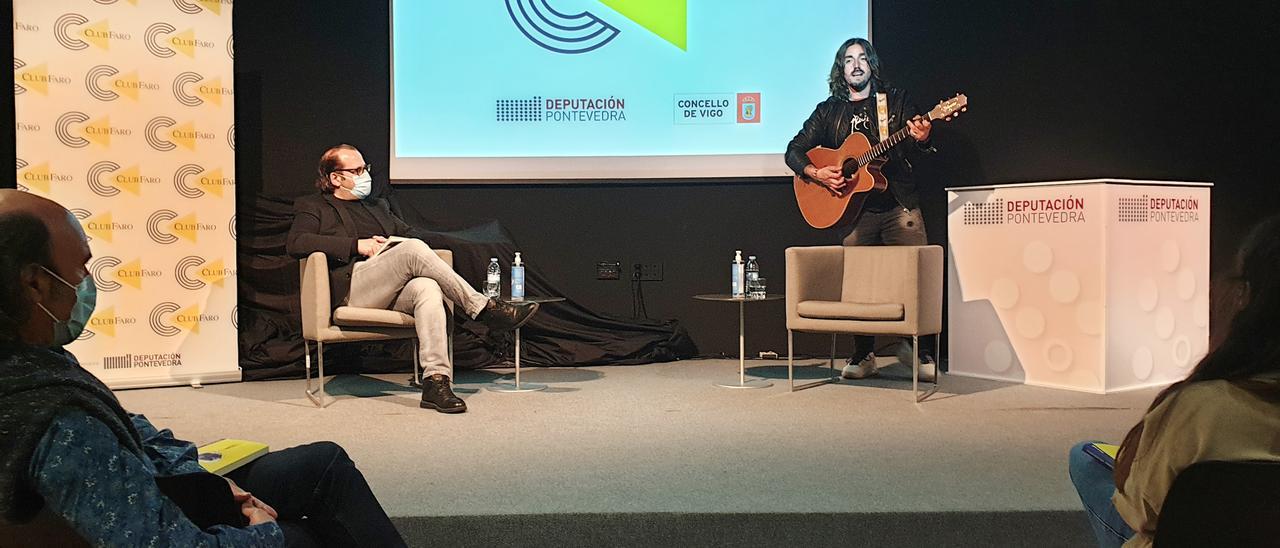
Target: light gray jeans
{"type": "Point", "coordinates": [412, 279]}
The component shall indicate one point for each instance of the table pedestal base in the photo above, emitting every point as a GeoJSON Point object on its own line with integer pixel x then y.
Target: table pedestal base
{"type": "Point", "coordinates": [748, 383]}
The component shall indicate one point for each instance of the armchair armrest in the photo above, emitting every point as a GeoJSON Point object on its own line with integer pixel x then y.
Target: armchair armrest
{"type": "Point", "coordinates": [813, 273]}
{"type": "Point", "coordinates": [929, 273]}
{"type": "Point", "coordinates": [314, 293]}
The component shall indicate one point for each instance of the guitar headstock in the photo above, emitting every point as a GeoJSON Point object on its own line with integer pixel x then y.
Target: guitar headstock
{"type": "Point", "coordinates": [950, 108]}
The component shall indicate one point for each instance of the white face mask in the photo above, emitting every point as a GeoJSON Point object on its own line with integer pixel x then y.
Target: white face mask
{"type": "Point", "coordinates": [363, 186]}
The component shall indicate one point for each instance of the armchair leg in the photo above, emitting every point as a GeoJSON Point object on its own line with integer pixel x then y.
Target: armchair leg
{"type": "Point", "coordinates": [791, 375]}
{"type": "Point", "coordinates": [915, 371]}
{"type": "Point", "coordinates": [417, 365]}
{"type": "Point", "coordinates": [317, 394]}
{"type": "Point", "coordinates": [831, 365]}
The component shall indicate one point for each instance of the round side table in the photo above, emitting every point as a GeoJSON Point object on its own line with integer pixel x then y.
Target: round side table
{"type": "Point", "coordinates": [743, 381]}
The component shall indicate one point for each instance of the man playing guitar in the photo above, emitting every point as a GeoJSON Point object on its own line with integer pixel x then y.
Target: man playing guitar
{"type": "Point", "coordinates": [888, 218]}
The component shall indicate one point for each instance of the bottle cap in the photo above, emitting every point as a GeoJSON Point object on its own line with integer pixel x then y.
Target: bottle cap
{"type": "Point", "coordinates": [517, 261]}
{"type": "Point", "coordinates": [752, 257]}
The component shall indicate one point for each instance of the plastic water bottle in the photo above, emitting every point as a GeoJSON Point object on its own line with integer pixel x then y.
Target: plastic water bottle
{"type": "Point", "coordinates": [737, 273]}
{"type": "Point", "coordinates": [493, 279]}
{"type": "Point", "coordinates": [753, 278]}
{"type": "Point", "coordinates": [517, 279]}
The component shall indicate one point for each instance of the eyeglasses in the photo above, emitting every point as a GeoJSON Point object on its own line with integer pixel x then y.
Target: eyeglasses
{"type": "Point", "coordinates": [357, 171]}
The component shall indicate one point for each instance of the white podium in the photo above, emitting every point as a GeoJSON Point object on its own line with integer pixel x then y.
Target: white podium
{"type": "Point", "coordinates": [1098, 285]}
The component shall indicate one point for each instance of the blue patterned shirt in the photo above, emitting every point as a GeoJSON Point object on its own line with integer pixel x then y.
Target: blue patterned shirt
{"type": "Point", "coordinates": [109, 495]}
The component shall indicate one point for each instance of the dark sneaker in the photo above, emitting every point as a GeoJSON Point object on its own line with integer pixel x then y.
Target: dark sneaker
{"type": "Point", "coordinates": [436, 394]}
{"type": "Point", "coordinates": [501, 316]}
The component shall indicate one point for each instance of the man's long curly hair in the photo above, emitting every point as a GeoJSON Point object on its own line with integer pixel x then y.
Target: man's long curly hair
{"type": "Point", "coordinates": [835, 80]}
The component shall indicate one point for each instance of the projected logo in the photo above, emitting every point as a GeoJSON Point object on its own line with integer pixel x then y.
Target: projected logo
{"type": "Point", "coordinates": [584, 32]}
{"type": "Point", "coordinates": [717, 108]}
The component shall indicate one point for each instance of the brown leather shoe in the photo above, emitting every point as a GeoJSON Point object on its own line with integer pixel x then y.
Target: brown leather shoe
{"type": "Point", "coordinates": [501, 316]}
{"type": "Point", "coordinates": [437, 394]}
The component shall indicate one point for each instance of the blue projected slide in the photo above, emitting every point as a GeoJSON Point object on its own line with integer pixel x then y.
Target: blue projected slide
{"type": "Point", "coordinates": [513, 90]}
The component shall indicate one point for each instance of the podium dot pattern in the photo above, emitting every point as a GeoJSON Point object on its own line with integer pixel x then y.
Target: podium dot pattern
{"type": "Point", "coordinates": [518, 110]}
{"type": "Point", "coordinates": [984, 213]}
{"type": "Point", "coordinates": [1133, 210]}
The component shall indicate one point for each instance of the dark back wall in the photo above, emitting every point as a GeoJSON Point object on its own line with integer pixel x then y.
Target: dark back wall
{"type": "Point", "coordinates": [1059, 90]}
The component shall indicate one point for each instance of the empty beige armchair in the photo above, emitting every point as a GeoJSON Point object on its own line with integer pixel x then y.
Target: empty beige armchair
{"type": "Point", "coordinates": [321, 323]}
{"type": "Point", "coordinates": [864, 290]}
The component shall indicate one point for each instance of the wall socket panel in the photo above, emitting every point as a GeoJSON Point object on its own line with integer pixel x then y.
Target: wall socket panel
{"type": "Point", "coordinates": [608, 270]}
{"type": "Point", "coordinates": [649, 272]}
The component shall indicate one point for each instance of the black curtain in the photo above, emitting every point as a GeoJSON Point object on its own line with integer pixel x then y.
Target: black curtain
{"type": "Point", "coordinates": [560, 334]}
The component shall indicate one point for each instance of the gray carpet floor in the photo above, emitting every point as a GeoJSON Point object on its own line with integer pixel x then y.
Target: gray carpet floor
{"type": "Point", "coordinates": [629, 445]}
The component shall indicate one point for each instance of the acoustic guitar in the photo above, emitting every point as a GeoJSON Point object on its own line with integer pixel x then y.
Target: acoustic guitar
{"type": "Point", "coordinates": [860, 164]}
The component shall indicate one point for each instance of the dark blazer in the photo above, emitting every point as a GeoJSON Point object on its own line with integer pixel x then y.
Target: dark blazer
{"type": "Point", "coordinates": [319, 225]}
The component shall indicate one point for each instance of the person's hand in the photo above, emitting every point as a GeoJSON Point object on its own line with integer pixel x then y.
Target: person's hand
{"type": "Point", "coordinates": [830, 177]}
{"type": "Point", "coordinates": [919, 129]}
{"type": "Point", "coordinates": [256, 515]}
{"type": "Point", "coordinates": [369, 246]}
{"type": "Point", "coordinates": [249, 502]}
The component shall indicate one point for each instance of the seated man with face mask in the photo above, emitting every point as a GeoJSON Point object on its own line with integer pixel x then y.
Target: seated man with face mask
{"type": "Point", "coordinates": [76, 469]}
{"type": "Point", "coordinates": [350, 228]}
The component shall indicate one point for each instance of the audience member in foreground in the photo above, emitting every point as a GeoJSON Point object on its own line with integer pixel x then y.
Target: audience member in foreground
{"type": "Point", "coordinates": [1227, 409]}
{"type": "Point", "coordinates": [76, 468]}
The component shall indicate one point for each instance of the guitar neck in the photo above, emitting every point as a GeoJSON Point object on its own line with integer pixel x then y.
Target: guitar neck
{"type": "Point", "coordinates": [883, 146]}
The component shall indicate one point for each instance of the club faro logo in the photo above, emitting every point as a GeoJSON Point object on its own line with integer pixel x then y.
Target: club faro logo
{"type": "Point", "coordinates": [105, 83]}
{"type": "Point", "coordinates": [165, 226]}
{"type": "Point", "coordinates": [108, 179]}
{"type": "Point", "coordinates": [111, 274]}
{"type": "Point", "coordinates": [165, 134]}
{"type": "Point", "coordinates": [73, 32]}
{"type": "Point", "coordinates": [194, 272]}
{"type": "Point", "coordinates": [164, 41]}
{"type": "Point", "coordinates": [192, 90]}
{"type": "Point", "coordinates": [192, 181]}
{"type": "Point", "coordinates": [168, 319]}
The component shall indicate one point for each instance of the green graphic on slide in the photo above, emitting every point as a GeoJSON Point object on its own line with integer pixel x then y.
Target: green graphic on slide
{"type": "Point", "coordinates": [665, 18]}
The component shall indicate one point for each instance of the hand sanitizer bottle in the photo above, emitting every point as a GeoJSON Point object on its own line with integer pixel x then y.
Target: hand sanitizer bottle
{"type": "Point", "coordinates": [517, 279]}
{"type": "Point", "coordinates": [738, 275]}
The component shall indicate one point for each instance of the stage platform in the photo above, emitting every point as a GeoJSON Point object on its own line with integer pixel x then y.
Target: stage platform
{"type": "Point", "coordinates": [656, 455]}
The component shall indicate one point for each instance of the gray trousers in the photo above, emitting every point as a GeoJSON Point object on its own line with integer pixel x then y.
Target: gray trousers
{"type": "Point", "coordinates": [412, 279]}
{"type": "Point", "coordinates": [897, 226]}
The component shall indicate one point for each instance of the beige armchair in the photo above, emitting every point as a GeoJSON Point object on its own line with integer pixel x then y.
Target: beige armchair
{"type": "Point", "coordinates": [864, 290]}
{"type": "Point", "coordinates": [321, 323]}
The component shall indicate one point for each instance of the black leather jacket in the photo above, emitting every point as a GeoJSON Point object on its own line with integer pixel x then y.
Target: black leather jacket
{"type": "Point", "coordinates": [830, 124]}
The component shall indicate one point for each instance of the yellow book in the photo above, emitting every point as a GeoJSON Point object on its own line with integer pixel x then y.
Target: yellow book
{"type": "Point", "coordinates": [1104, 453]}
{"type": "Point", "coordinates": [223, 456]}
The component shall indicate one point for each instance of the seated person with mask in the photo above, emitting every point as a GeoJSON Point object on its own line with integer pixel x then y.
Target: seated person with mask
{"type": "Point", "coordinates": [350, 228]}
{"type": "Point", "coordinates": [75, 468]}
